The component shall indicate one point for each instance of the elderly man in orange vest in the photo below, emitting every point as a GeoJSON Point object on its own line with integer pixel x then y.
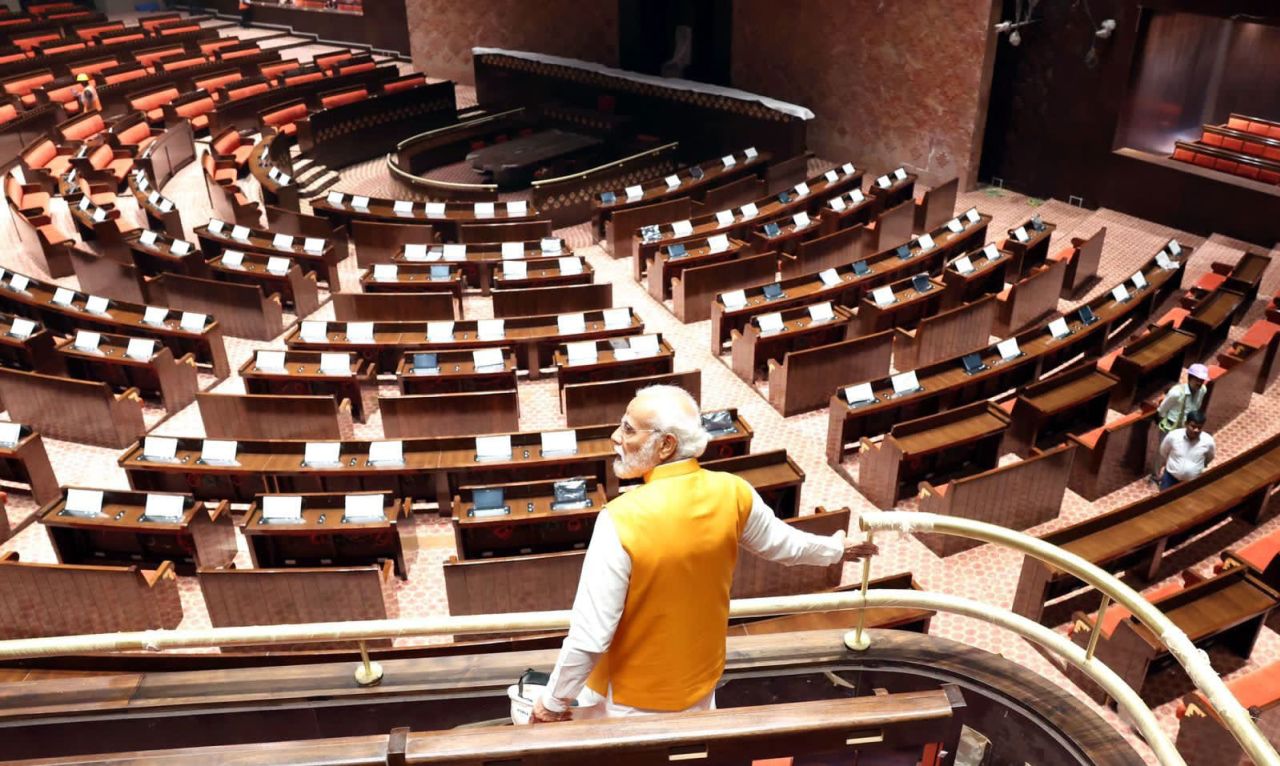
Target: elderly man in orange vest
{"type": "Point", "coordinates": [649, 621]}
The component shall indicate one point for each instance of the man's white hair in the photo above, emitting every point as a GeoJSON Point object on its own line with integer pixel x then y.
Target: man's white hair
{"type": "Point", "coordinates": [676, 412]}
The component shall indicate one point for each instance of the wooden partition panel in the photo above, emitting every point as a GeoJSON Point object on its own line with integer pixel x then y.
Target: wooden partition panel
{"type": "Point", "coordinates": [894, 226]}
{"type": "Point", "coordinates": [237, 597]}
{"type": "Point", "coordinates": [945, 335]}
{"type": "Point", "coordinates": [1114, 455]}
{"type": "Point", "coordinates": [453, 414]}
{"type": "Point", "coordinates": [839, 248]}
{"type": "Point", "coordinates": [806, 379]}
{"type": "Point", "coordinates": [938, 205]}
{"type": "Point", "coordinates": [694, 290]}
{"type": "Point", "coordinates": [590, 404]}
{"type": "Point", "coordinates": [514, 231]}
{"type": "Point", "coordinates": [76, 410]}
{"type": "Point", "coordinates": [785, 174]}
{"type": "Point", "coordinates": [380, 242]}
{"type": "Point", "coordinates": [540, 301]}
{"type": "Point", "coordinates": [105, 276]}
{"type": "Point", "coordinates": [620, 229]}
{"type": "Point", "coordinates": [67, 600]}
{"type": "Point", "coordinates": [756, 577]}
{"type": "Point", "coordinates": [1019, 496]}
{"type": "Point", "coordinates": [1031, 298]}
{"type": "Point", "coordinates": [1083, 267]}
{"type": "Point", "coordinates": [393, 307]}
{"type": "Point", "coordinates": [268, 416]}
{"type": "Point", "coordinates": [546, 581]}
{"type": "Point", "coordinates": [242, 310]}
{"type": "Point", "coordinates": [733, 194]}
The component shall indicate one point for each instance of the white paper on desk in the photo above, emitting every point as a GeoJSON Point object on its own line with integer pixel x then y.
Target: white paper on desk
{"type": "Point", "coordinates": [483, 210]}
{"type": "Point", "coordinates": [148, 238]}
{"type": "Point", "coordinates": [846, 168]}
{"type": "Point", "coordinates": [273, 173]}
{"type": "Point", "coordinates": [830, 277]}
{"type": "Point", "coordinates": [800, 220]}
{"type": "Point", "coordinates": [360, 332]}
{"type": "Point", "coordinates": [1162, 260]}
{"type": "Point", "coordinates": [883, 296]}
{"type": "Point", "coordinates": [616, 319]}
{"type": "Point", "coordinates": [569, 265]}
{"type": "Point", "coordinates": [282, 507]}
{"type": "Point", "coordinates": [734, 299]}
{"type": "Point", "coordinates": [140, 348]}
{"type": "Point", "coordinates": [972, 215]}
{"type": "Point", "coordinates": [19, 282]}
{"type": "Point", "coordinates": [386, 452]}
{"type": "Point", "coordinates": [955, 226]}
{"type": "Point", "coordinates": [822, 312]}
{"type": "Point", "coordinates": [159, 447]}
{"type": "Point", "coordinates": [1021, 234]}
{"type": "Point", "coordinates": [926, 242]}
{"type": "Point", "coordinates": [634, 192]}
{"type": "Point", "coordinates": [22, 328]}
{"type": "Point", "coordinates": [488, 359]}
{"type": "Point", "coordinates": [511, 251]}
{"type": "Point", "coordinates": [724, 217]}
{"type": "Point", "coordinates": [314, 330]}
{"type": "Point", "coordinates": [322, 453]}
{"type": "Point", "coordinates": [857, 196]}
{"type": "Point", "coordinates": [64, 296]}
{"type": "Point", "coordinates": [572, 324]}
{"type": "Point", "coordinates": [282, 241]}
{"type": "Point", "coordinates": [360, 202]}
{"type": "Point", "coordinates": [454, 252]}
{"type": "Point", "coordinates": [1058, 328]}
{"type": "Point", "coordinates": [551, 245]}
{"type": "Point", "coordinates": [1139, 280]}
{"type": "Point", "coordinates": [335, 363]}
{"type": "Point", "coordinates": [515, 270]}
{"type": "Point", "coordinates": [751, 152]}
{"type": "Point", "coordinates": [883, 182]}
{"type": "Point", "coordinates": [154, 315]}
{"type": "Point", "coordinates": [749, 210]}
{"type": "Point", "coordinates": [358, 508]}
{"type": "Point", "coordinates": [991, 252]}
{"type": "Point", "coordinates": [801, 189]}
{"type": "Point", "coordinates": [440, 332]}
{"type": "Point", "coordinates": [728, 161]}
{"type": "Point", "coordinates": [859, 393]}
{"type": "Point", "coordinates": [278, 265]}
{"type": "Point", "coordinates": [672, 181]}
{"type": "Point", "coordinates": [99, 215]}
{"type": "Point", "coordinates": [434, 209]}
{"type": "Point", "coordinates": [335, 198]}
{"type": "Point", "coordinates": [491, 329]}
{"type": "Point", "coordinates": [644, 345]}
{"type": "Point", "coordinates": [770, 323]}
{"type": "Point", "coordinates": [415, 251]}
{"type": "Point", "coordinates": [10, 433]}
{"type": "Point", "coordinates": [140, 176]}
{"type": "Point", "coordinates": [402, 206]}
{"type": "Point", "coordinates": [167, 507]}
{"type": "Point", "coordinates": [85, 202]}
{"type": "Point", "coordinates": [240, 233]}
{"type": "Point", "coordinates": [582, 352]}
{"type": "Point", "coordinates": [153, 197]}
{"type": "Point", "coordinates": [682, 228]}
{"type": "Point", "coordinates": [233, 259]}
{"type": "Point", "coordinates": [84, 500]}
{"type": "Point", "coordinates": [559, 442]}
{"type": "Point", "coordinates": [1008, 348]}
{"type": "Point", "coordinates": [517, 208]}
{"type": "Point", "coordinates": [179, 247]}
{"type": "Point", "coordinates": [165, 205]}
{"type": "Point", "coordinates": [718, 243]}
{"type": "Point", "coordinates": [1174, 248]}
{"type": "Point", "coordinates": [832, 176]}
{"type": "Point", "coordinates": [216, 225]}
{"type": "Point", "coordinates": [218, 450]}
{"type": "Point", "coordinates": [87, 340]}
{"type": "Point", "coordinates": [1119, 294]}
{"type": "Point", "coordinates": [313, 245]}
{"type": "Point", "coordinates": [963, 265]}
{"type": "Point", "coordinates": [900, 174]}
{"type": "Point", "coordinates": [192, 321]}
{"type": "Point", "coordinates": [837, 203]}
{"type": "Point", "coordinates": [385, 272]}
{"type": "Point", "coordinates": [904, 382]}
{"type": "Point", "coordinates": [493, 447]}
{"type": "Point", "coordinates": [269, 360]}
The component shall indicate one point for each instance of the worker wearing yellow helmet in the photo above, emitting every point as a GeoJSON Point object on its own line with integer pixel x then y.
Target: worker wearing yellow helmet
{"type": "Point", "coordinates": [86, 94]}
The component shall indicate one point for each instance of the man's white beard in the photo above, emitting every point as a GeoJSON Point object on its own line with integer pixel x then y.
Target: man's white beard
{"type": "Point", "coordinates": [639, 462]}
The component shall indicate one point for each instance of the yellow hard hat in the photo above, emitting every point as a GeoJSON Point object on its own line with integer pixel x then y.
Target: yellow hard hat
{"type": "Point", "coordinates": [82, 77]}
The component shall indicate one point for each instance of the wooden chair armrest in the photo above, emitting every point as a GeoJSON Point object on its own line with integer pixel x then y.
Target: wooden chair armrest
{"type": "Point", "coordinates": [222, 509]}
{"type": "Point", "coordinates": [388, 571]}
{"type": "Point", "coordinates": [165, 570]}
{"type": "Point", "coordinates": [772, 364]}
{"type": "Point", "coordinates": [905, 335]}
{"type": "Point", "coordinates": [865, 444]}
{"type": "Point", "coordinates": [188, 359]}
{"type": "Point", "coordinates": [1081, 622]}
{"type": "Point", "coordinates": [31, 213]}
{"type": "Point", "coordinates": [130, 393]}
{"type": "Point", "coordinates": [344, 406]}
{"type": "Point", "coordinates": [10, 556]}
{"type": "Point", "coordinates": [31, 188]}
{"type": "Point", "coordinates": [926, 490]}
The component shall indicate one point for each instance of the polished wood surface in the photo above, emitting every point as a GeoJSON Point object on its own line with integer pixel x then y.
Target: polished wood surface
{"type": "Point", "coordinates": [563, 299]}
{"type": "Point", "coordinates": [1073, 401]}
{"type": "Point", "coordinates": [245, 311]}
{"type": "Point", "coordinates": [752, 350]}
{"type": "Point", "coordinates": [605, 401]}
{"type": "Point", "coordinates": [456, 372]}
{"type": "Point", "coordinates": [325, 538]}
{"type": "Point", "coordinates": [414, 416]}
{"type": "Point", "coordinates": [27, 462]}
{"type": "Point", "coordinates": [393, 307]}
{"type": "Point", "coordinates": [694, 291]}
{"type": "Point", "coordinates": [302, 375]}
{"type": "Point", "coordinates": [663, 269]}
{"type": "Point", "coordinates": [273, 416]}
{"type": "Point", "coordinates": [802, 381]}
{"type": "Point", "coordinates": [89, 412]}
{"type": "Point", "coordinates": [173, 381]}
{"type": "Point", "coordinates": [1030, 299]}
{"type": "Point", "coordinates": [1149, 365]}
{"type": "Point", "coordinates": [944, 335]}
{"type": "Point", "coordinates": [530, 525]}
{"type": "Point", "coordinates": [612, 363]}
{"type": "Point", "coordinates": [295, 288]}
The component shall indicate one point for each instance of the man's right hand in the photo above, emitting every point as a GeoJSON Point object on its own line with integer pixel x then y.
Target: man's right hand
{"type": "Point", "coordinates": [542, 715]}
{"type": "Point", "coordinates": [857, 551]}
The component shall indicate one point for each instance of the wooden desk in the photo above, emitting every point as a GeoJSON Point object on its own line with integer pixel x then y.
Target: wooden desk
{"type": "Point", "coordinates": [908, 308]}
{"type": "Point", "coordinates": [245, 311]}
{"type": "Point", "coordinates": [123, 535]}
{"type": "Point", "coordinates": [541, 301]}
{"type": "Point", "coordinates": [1150, 364]}
{"type": "Point", "coordinates": [27, 462]}
{"type": "Point", "coordinates": [297, 289]}
{"type": "Point", "coordinates": [454, 414]}
{"type": "Point", "coordinates": [1210, 321]}
{"type": "Point", "coordinates": [897, 618]}
{"type": "Point", "coordinates": [694, 291]}
{"type": "Point", "coordinates": [35, 352]}
{"type": "Point", "coordinates": [753, 351]}
{"type": "Point", "coordinates": [852, 214]}
{"type": "Point", "coordinates": [773, 474]}
{"type": "Point", "coordinates": [159, 375]}
{"type": "Point", "coordinates": [417, 277]}
{"type": "Point", "coordinates": [481, 263]}
{"type": "Point", "coordinates": [529, 527]}
{"type": "Point", "coordinates": [273, 416]}
{"type": "Point", "coordinates": [456, 373]}
{"type": "Point", "coordinates": [324, 264]}
{"type": "Point", "coordinates": [1072, 401]}
{"type": "Point", "coordinates": [302, 376]}
{"type": "Point", "coordinates": [1030, 299]}
{"type": "Point", "coordinates": [1082, 257]}
{"type": "Point", "coordinates": [1135, 537]}
{"type": "Point", "coordinates": [987, 277]}
{"type": "Point", "coordinates": [957, 442]}
{"type": "Point", "coordinates": [606, 401]}
{"type": "Point", "coordinates": [325, 539]}
{"type": "Point", "coordinates": [611, 364]}
{"type": "Point", "coordinates": [664, 268]}
{"type": "Point", "coordinates": [1025, 256]}
{"type": "Point", "coordinates": [381, 209]}
{"type": "Point", "coordinates": [546, 272]}
{"type": "Point", "coordinates": [395, 307]}
{"type": "Point", "coordinates": [76, 410]}
{"type": "Point", "coordinates": [380, 241]}
{"type": "Point", "coordinates": [512, 164]}
{"type": "Point", "coordinates": [957, 330]}
{"type": "Point", "coordinates": [802, 380]}
{"type": "Point", "coordinates": [158, 257]}
{"type": "Point", "coordinates": [898, 191]}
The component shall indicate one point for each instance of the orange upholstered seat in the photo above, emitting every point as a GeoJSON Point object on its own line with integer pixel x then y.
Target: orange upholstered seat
{"type": "Point", "coordinates": [138, 134]}
{"type": "Point", "coordinates": [197, 112]}
{"type": "Point", "coordinates": [1260, 552]}
{"type": "Point", "coordinates": [7, 113]}
{"type": "Point", "coordinates": [104, 158]}
{"type": "Point", "coordinates": [1259, 333]}
{"type": "Point", "coordinates": [284, 118]}
{"type": "Point", "coordinates": [1091, 438]}
{"type": "Point", "coordinates": [403, 84]}
{"type": "Point", "coordinates": [1118, 613]}
{"type": "Point", "coordinates": [349, 97]}
{"type": "Point", "coordinates": [1257, 689]}
{"type": "Point", "coordinates": [84, 129]}
{"type": "Point", "coordinates": [1211, 281]}
{"type": "Point", "coordinates": [1173, 317]}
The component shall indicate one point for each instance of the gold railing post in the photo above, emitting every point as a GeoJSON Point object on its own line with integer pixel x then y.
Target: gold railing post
{"type": "Point", "coordinates": [858, 640]}
{"type": "Point", "coordinates": [1097, 627]}
{"type": "Point", "coordinates": [368, 673]}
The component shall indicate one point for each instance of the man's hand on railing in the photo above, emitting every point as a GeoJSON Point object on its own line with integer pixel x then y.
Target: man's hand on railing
{"type": "Point", "coordinates": [855, 551]}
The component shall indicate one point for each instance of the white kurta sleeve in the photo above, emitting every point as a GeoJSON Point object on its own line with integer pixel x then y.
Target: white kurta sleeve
{"type": "Point", "coordinates": [602, 591]}
{"type": "Point", "coordinates": [770, 537]}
